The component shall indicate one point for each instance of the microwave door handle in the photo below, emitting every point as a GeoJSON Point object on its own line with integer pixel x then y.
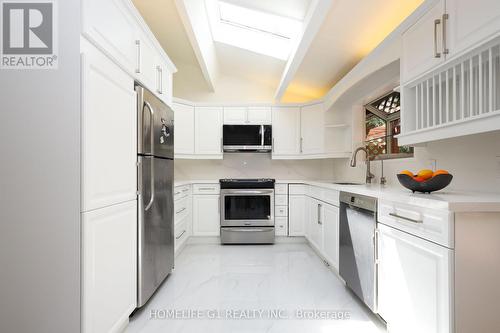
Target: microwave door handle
{"type": "Point", "coordinates": [262, 135]}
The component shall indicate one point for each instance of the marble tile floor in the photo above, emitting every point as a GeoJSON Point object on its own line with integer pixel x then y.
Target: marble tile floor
{"type": "Point", "coordinates": [261, 288]}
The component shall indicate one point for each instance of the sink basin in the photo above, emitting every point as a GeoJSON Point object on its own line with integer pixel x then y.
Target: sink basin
{"type": "Point", "coordinates": [347, 183]}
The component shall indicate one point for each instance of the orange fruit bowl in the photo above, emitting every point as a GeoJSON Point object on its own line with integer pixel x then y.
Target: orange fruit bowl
{"type": "Point", "coordinates": [433, 184]}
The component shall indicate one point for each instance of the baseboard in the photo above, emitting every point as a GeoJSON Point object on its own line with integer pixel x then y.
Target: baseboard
{"type": "Point", "coordinates": [288, 240]}
{"type": "Point", "coordinates": [323, 259]}
{"type": "Point", "coordinates": [216, 240]}
{"type": "Point", "coordinates": [203, 240]}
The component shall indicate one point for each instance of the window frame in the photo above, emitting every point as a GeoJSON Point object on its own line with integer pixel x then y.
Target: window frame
{"type": "Point", "coordinates": [387, 118]}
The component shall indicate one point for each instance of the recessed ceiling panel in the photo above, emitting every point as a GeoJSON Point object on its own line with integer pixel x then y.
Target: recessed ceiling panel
{"type": "Point", "coordinates": [253, 30]}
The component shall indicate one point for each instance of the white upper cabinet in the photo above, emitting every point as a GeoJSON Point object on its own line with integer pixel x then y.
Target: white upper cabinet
{"type": "Point", "coordinates": [313, 129]}
{"type": "Point", "coordinates": [259, 115]}
{"type": "Point", "coordinates": [109, 143]}
{"type": "Point", "coordinates": [235, 115]}
{"type": "Point", "coordinates": [422, 43]}
{"type": "Point", "coordinates": [117, 28]}
{"type": "Point", "coordinates": [449, 28]}
{"type": "Point", "coordinates": [184, 129]}
{"type": "Point", "coordinates": [247, 116]}
{"type": "Point", "coordinates": [331, 234]}
{"type": "Point", "coordinates": [146, 61]}
{"type": "Point", "coordinates": [163, 87]}
{"type": "Point", "coordinates": [454, 94]}
{"type": "Point", "coordinates": [415, 283]}
{"type": "Point", "coordinates": [208, 129]}
{"type": "Point", "coordinates": [471, 22]}
{"type": "Point", "coordinates": [286, 131]}
{"type": "Point", "coordinates": [109, 24]}
{"type": "Point", "coordinates": [151, 69]}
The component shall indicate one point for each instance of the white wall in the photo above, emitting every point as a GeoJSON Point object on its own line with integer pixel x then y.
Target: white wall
{"type": "Point", "coordinates": [253, 166]}
{"type": "Point", "coordinates": [229, 90]}
{"type": "Point", "coordinates": [473, 161]}
{"type": "Point", "coordinates": [40, 190]}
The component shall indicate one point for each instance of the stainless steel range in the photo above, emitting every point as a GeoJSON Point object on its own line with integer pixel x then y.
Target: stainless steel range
{"type": "Point", "coordinates": [247, 211]}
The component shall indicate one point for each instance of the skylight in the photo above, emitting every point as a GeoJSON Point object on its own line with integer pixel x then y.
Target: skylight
{"type": "Point", "coordinates": [254, 30]}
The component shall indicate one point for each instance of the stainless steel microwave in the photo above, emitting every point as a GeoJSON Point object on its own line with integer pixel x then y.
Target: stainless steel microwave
{"type": "Point", "coordinates": [247, 138]}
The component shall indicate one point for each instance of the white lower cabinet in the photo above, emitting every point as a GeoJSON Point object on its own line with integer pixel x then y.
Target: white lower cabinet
{"type": "Point", "coordinates": [281, 226]}
{"type": "Point", "coordinates": [331, 234]}
{"type": "Point", "coordinates": [181, 232]}
{"type": "Point", "coordinates": [109, 267]}
{"type": "Point", "coordinates": [206, 215]}
{"type": "Point", "coordinates": [315, 227]}
{"type": "Point", "coordinates": [297, 215]}
{"type": "Point", "coordinates": [415, 283]}
{"type": "Point", "coordinates": [182, 216]}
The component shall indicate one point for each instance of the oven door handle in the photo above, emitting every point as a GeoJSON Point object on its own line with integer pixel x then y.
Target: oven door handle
{"type": "Point", "coordinates": [249, 229]}
{"type": "Point", "coordinates": [248, 192]}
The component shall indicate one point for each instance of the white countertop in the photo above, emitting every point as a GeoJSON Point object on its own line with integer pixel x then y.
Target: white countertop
{"type": "Point", "coordinates": [456, 201]}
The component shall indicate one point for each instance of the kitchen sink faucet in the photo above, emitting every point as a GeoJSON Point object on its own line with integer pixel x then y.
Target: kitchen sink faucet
{"type": "Point", "coordinates": [369, 175]}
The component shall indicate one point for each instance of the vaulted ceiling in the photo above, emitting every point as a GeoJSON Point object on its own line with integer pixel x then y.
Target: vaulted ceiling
{"type": "Point", "coordinates": [336, 35]}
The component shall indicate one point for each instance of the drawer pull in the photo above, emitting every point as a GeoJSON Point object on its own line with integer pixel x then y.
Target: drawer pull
{"type": "Point", "coordinates": [405, 218]}
{"type": "Point", "coordinates": [182, 233]}
{"type": "Point", "coordinates": [206, 189]}
{"type": "Point", "coordinates": [180, 211]}
{"type": "Point", "coordinates": [185, 190]}
{"type": "Point", "coordinates": [177, 193]}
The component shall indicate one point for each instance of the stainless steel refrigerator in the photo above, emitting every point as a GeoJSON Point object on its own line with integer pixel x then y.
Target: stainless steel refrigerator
{"type": "Point", "coordinates": [155, 167]}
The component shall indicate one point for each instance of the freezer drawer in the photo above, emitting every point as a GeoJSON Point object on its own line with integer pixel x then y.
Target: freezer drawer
{"type": "Point", "coordinates": [155, 257]}
{"type": "Point", "coordinates": [241, 235]}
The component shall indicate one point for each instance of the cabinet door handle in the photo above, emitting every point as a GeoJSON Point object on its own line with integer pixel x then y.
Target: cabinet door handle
{"type": "Point", "coordinates": [160, 80]}
{"type": "Point", "coordinates": [301, 145]}
{"type": "Point", "coordinates": [206, 189]}
{"type": "Point", "coordinates": [182, 233]}
{"type": "Point", "coordinates": [273, 144]}
{"type": "Point", "coordinates": [138, 68]}
{"type": "Point", "coordinates": [319, 215]}
{"type": "Point", "coordinates": [445, 47]}
{"type": "Point", "coordinates": [405, 218]}
{"type": "Point", "coordinates": [436, 53]}
{"type": "Point", "coordinates": [180, 210]}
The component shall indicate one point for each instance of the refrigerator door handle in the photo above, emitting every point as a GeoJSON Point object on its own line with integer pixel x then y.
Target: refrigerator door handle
{"type": "Point", "coordinates": [151, 138]}
{"type": "Point", "coordinates": [151, 125]}
{"type": "Point", "coordinates": [152, 185]}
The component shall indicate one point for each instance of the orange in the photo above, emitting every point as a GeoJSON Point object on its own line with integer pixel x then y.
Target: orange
{"type": "Point", "coordinates": [406, 172]}
{"type": "Point", "coordinates": [440, 172]}
{"type": "Point", "coordinates": [419, 179]}
{"type": "Point", "coordinates": [425, 174]}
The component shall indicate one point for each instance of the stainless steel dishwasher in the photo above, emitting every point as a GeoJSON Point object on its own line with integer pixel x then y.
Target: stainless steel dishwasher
{"type": "Point", "coordinates": [357, 253]}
